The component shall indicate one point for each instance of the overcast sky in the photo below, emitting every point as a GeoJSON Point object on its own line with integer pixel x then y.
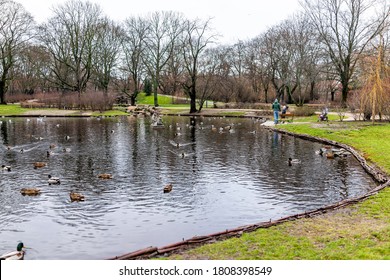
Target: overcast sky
{"type": "Point", "coordinates": [234, 20]}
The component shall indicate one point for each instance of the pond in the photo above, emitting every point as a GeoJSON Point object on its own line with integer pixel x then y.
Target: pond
{"type": "Point", "coordinates": [225, 173]}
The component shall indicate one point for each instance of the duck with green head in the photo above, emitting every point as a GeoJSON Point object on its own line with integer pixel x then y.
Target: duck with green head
{"type": "Point", "coordinates": [15, 255]}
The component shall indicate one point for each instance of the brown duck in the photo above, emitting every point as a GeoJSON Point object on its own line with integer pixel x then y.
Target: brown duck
{"type": "Point", "coordinates": [31, 192]}
{"type": "Point", "coordinates": [76, 196]}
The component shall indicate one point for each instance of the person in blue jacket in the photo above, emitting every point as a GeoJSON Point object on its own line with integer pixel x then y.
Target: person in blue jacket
{"type": "Point", "coordinates": [276, 109]}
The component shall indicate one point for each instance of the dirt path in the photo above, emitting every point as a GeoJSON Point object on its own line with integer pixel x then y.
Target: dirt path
{"type": "Point", "coordinates": [57, 113]}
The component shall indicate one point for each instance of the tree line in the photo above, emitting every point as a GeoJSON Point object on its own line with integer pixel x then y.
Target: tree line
{"type": "Point", "coordinates": [319, 52]}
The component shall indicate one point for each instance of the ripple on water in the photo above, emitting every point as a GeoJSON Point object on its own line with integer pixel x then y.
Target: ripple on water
{"type": "Point", "coordinates": [224, 181]}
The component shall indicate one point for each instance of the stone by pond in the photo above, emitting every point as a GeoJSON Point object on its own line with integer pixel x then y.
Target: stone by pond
{"type": "Point", "coordinates": [224, 173]}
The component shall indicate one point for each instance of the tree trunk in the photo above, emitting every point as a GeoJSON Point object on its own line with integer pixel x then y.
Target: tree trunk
{"type": "Point", "coordinates": [2, 93]}
{"type": "Point", "coordinates": [155, 87]}
{"type": "Point", "coordinates": [192, 101]}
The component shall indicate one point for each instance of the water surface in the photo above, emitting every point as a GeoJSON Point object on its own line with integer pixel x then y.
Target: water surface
{"type": "Point", "coordinates": [221, 179]}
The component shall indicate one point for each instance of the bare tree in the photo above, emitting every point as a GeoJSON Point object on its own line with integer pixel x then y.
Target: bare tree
{"type": "Point", "coordinates": [105, 57]}
{"type": "Point", "coordinates": [31, 67]}
{"type": "Point", "coordinates": [16, 26]}
{"type": "Point", "coordinates": [196, 39]}
{"type": "Point", "coordinates": [69, 37]}
{"type": "Point", "coordinates": [208, 80]}
{"type": "Point", "coordinates": [136, 29]}
{"type": "Point", "coordinates": [345, 28]}
{"type": "Point", "coordinates": [164, 29]}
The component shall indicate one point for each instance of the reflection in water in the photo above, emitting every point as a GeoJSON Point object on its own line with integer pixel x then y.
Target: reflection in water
{"type": "Point", "coordinates": [225, 173]}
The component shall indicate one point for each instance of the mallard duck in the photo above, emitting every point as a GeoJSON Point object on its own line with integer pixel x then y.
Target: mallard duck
{"type": "Point", "coordinates": [168, 188]}
{"type": "Point", "coordinates": [53, 180]}
{"type": "Point", "coordinates": [291, 161]}
{"type": "Point", "coordinates": [105, 176]}
{"type": "Point", "coordinates": [76, 196]}
{"type": "Point", "coordinates": [321, 151]}
{"type": "Point", "coordinates": [26, 191]}
{"type": "Point", "coordinates": [6, 167]}
{"type": "Point", "coordinates": [52, 146]}
{"type": "Point", "coordinates": [15, 255]}
{"type": "Point", "coordinates": [39, 164]}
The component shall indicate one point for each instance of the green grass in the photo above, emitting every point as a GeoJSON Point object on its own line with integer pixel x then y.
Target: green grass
{"type": "Point", "coordinates": [361, 231]}
{"type": "Point", "coordinates": [163, 100]}
{"type": "Point", "coordinates": [12, 110]}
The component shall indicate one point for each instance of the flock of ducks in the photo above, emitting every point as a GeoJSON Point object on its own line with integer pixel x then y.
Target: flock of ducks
{"type": "Point", "coordinates": [328, 151]}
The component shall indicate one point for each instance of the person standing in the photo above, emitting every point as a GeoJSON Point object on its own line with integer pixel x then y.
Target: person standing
{"type": "Point", "coordinates": [276, 109]}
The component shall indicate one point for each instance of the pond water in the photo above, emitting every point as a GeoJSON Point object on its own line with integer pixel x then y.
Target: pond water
{"type": "Point", "coordinates": [221, 179]}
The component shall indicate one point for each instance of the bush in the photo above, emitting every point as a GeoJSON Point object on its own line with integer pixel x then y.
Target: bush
{"type": "Point", "coordinates": [304, 111]}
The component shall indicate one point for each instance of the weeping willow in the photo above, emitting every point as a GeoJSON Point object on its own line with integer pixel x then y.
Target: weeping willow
{"type": "Point", "coordinates": [377, 86]}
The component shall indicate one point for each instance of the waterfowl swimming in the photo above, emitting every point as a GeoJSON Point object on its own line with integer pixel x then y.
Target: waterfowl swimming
{"type": "Point", "coordinates": [39, 164]}
{"type": "Point", "coordinates": [330, 155]}
{"type": "Point", "coordinates": [291, 161]}
{"type": "Point", "coordinates": [168, 188]}
{"type": "Point", "coordinates": [67, 137]}
{"type": "Point", "coordinates": [53, 180]}
{"type": "Point", "coordinates": [26, 191]}
{"type": "Point", "coordinates": [321, 151]}
{"type": "Point", "coordinates": [105, 176]}
{"type": "Point", "coordinates": [6, 167]}
{"type": "Point", "coordinates": [52, 146]}
{"type": "Point", "coordinates": [76, 196]}
{"type": "Point", "coordinates": [66, 150]}
{"type": "Point", "coordinates": [15, 255]}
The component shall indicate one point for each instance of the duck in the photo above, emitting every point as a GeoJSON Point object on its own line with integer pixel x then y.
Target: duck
{"type": "Point", "coordinates": [330, 155]}
{"type": "Point", "coordinates": [52, 146]}
{"type": "Point", "coordinates": [105, 176]}
{"type": "Point", "coordinates": [15, 255]}
{"type": "Point", "coordinates": [53, 180]}
{"type": "Point", "coordinates": [76, 196]}
{"type": "Point", "coordinates": [168, 188]}
{"type": "Point", "coordinates": [67, 137]}
{"type": "Point", "coordinates": [321, 151]}
{"type": "Point", "coordinates": [66, 150]}
{"type": "Point", "coordinates": [39, 164]}
{"type": "Point", "coordinates": [26, 191]}
{"type": "Point", "coordinates": [291, 161]}
{"type": "Point", "coordinates": [6, 167]}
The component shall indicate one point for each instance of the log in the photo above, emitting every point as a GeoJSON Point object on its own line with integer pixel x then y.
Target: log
{"type": "Point", "coordinates": [136, 254]}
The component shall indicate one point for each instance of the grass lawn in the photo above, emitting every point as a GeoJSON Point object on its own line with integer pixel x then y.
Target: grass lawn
{"type": "Point", "coordinates": [12, 110]}
{"type": "Point", "coordinates": [361, 231]}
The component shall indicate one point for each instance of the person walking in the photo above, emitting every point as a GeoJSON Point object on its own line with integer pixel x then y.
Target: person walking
{"type": "Point", "coordinates": [276, 109]}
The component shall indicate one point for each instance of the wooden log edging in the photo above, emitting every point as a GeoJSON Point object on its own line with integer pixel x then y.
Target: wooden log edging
{"type": "Point", "coordinates": [378, 175]}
